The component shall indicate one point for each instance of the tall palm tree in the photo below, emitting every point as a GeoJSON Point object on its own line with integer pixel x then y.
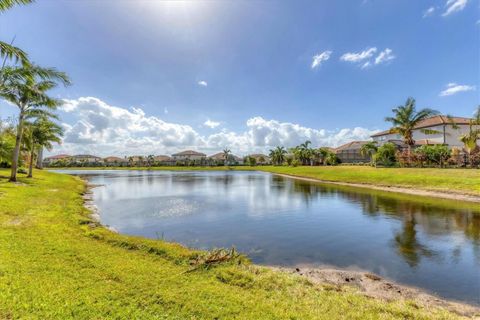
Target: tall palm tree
{"type": "Point", "coordinates": [42, 132]}
{"type": "Point", "coordinates": [29, 93]}
{"type": "Point", "coordinates": [226, 155]}
{"type": "Point", "coordinates": [406, 118]}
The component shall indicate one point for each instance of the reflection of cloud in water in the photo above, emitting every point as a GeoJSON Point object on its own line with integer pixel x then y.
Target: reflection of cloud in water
{"type": "Point", "coordinates": [175, 207]}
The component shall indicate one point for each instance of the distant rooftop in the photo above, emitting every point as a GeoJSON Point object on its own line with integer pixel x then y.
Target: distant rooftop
{"type": "Point", "coordinates": [84, 156]}
{"type": "Point", "coordinates": [59, 156]}
{"type": "Point", "coordinates": [189, 153]}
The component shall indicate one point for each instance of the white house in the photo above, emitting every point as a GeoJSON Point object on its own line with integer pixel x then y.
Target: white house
{"type": "Point", "coordinates": [188, 155]}
{"type": "Point", "coordinates": [447, 134]}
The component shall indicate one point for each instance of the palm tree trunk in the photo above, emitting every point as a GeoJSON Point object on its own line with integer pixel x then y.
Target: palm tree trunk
{"type": "Point", "coordinates": [16, 151]}
{"type": "Point", "coordinates": [39, 164]}
{"type": "Point", "coordinates": [30, 167]}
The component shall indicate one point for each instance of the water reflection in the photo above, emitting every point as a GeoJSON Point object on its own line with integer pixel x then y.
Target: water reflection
{"type": "Point", "coordinates": [430, 243]}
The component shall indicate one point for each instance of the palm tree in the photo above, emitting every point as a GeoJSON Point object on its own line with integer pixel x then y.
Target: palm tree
{"type": "Point", "coordinates": [42, 132]}
{"type": "Point", "coordinates": [406, 118]}
{"type": "Point", "coordinates": [369, 149]}
{"type": "Point", "coordinates": [226, 155]}
{"type": "Point", "coordinates": [470, 138]}
{"type": "Point", "coordinates": [303, 152]}
{"type": "Point", "coordinates": [28, 93]}
{"type": "Point", "coordinates": [150, 160]}
{"type": "Point", "coordinates": [277, 155]}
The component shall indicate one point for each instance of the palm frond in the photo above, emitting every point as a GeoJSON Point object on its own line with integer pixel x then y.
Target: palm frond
{"type": "Point", "coordinates": [8, 4]}
{"type": "Point", "coordinates": [10, 52]}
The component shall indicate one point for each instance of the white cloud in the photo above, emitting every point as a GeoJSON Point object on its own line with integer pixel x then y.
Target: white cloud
{"type": "Point", "coordinates": [318, 59]}
{"type": "Point", "coordinates": [453, 6]}
{"type": "Point", "coordinates": [165, 110]}
{"type": "Point", "coordinates": [358, 56]}
{"type": "Point", "coordinates": [365, 59]}
{"type": "Point", "coordinates": [453, 88]}
{"type": "Point", "coordinates": [103, 129]}
{"type": "Point", "coordinates": [202, 83]}
{"type": "Point", "coordinates": [211, 124]}
{"type": "Point", "coordinates": [429, 12]}
{"type": "Point", "coordinates": [384, 56]}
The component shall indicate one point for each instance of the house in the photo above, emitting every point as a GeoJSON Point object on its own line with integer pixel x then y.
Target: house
{"type": "Point", "coordinates": [86, 158]}
{"type": "Point", "coordinates": [54, 159]}
{"type": "Point", "coordinates": [220, 158]}
{"type": "Point", "coordinates": [164, 160]}
{"type": "Point", "coordinates": [189, 155]}
{"type": "Point", "coordinates": [112, 160]}
{"type": "Point", "coordinates": [350, 152]}
{"type": "Point", "coordinates": [446, 133]}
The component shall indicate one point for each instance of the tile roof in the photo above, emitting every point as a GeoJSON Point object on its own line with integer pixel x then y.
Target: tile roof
{"type": "Point", "coordinates": [162, 158]}
{"type": "Point", "coordinates": [431, 122]}
{"type": "Point", "coordinates": [354, 145]}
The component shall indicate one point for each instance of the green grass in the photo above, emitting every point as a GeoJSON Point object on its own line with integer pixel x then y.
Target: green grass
{"type": "Point", "coordinates": [462, 181]}
{"type": "Point", "coordinates": [56, 264]}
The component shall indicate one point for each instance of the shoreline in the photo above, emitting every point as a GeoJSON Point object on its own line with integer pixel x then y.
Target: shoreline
{"type": "Point", "coordinates": [332, 278]}
{"type": "Point", "coordinates": [377, 287]}
{"type": "Point", "coordinates": [393, 189]}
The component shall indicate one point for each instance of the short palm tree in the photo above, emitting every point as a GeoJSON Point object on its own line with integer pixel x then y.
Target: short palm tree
{"type": "Point", "coordinates": [470, 138]}
{"type": "Point", "coordinates": [369, 149]}
{"type": "Point", "coordinates": [226, 155]}
{"type": "Point", "coordinates": [406, 118]}
{"type": "Point", "coordinates": [277, 155]}
{"type": "Point", "coordinates": [28, 92]}
{"type": "Point", "coordinates": [41, 133]}
{"type": "Point", "coordinates": [150, 160]}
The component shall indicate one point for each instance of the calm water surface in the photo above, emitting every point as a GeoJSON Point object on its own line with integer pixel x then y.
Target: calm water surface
{"type": "Point", "coordinates": [428, 243]}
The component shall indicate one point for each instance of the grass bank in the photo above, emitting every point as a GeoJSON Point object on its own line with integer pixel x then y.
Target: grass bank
{"type": "Point", "coordinates": [58, 264]}
{"type": "Point", "coordinates": [462, 181]}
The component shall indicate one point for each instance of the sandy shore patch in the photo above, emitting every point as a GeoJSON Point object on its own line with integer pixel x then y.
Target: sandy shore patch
{"type": "Point", "coordinates": [412, 191]}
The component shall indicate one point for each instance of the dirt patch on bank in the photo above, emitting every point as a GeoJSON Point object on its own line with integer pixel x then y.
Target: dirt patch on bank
{"type": "Point", "coordinates": [376, 287]}
{"type": "Point", "coordinates": [412, 191]}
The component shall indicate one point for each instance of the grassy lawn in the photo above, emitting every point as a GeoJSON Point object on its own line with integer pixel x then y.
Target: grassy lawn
{"type": "Point", "coordinates": [448, 180]}
{"type": "Point", "coordinates": [56, 264]}
{"type": "Point", "coordinates": [464, 181]}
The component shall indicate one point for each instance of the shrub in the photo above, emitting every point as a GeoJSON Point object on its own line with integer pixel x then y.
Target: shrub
{"type": "Point", "coordinates": [434, 155]}
{"type": "Point", "coordinates": [385, 155]}
{"type": "Point", "coordinates": [295, 163]}
{"type": "Point", "coordinates": [22, 170]}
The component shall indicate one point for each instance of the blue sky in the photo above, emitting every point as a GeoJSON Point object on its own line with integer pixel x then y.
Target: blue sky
{"type": "Point", "coordinates": [243, 74]}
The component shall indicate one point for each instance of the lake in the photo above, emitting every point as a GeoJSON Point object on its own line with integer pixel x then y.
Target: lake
{"type": "Point", "coordinates": [429, 243]}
